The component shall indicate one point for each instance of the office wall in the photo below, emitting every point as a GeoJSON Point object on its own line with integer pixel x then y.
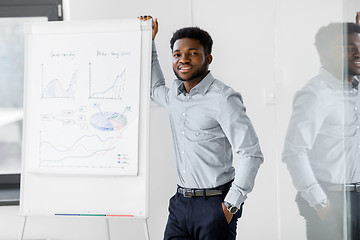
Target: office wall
{"type": "Point", "coordinates": [263, 49]}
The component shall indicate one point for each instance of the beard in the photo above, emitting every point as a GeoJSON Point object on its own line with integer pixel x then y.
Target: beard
{"type": "Point", "coordinates": [198, 73]}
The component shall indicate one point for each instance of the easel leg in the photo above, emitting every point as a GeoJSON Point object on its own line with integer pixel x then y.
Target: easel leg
{"type": "Point", "coordinates": [147, 235]}
{"type": "Point", "coordinates": [108, 229]}
{"type": "Point", "coordinates": [23, 229]}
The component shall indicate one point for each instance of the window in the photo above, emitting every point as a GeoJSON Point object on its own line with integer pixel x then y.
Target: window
{"type": "Point", "coordinates": [13, 15]}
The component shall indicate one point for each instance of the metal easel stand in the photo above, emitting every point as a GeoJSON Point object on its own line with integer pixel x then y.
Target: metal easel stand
{"type": "Point", "coordinates": [108, 229]}
{"type": "Point", "coordinates": [23, 229]}
{"type": "Point", "coordinates": [146, 228]}
{"type": "Point", "coordinates": [147, 234]}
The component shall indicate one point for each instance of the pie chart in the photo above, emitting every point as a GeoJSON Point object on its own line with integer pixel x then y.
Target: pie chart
{"type": "Point", "coordinates": [108, 121]}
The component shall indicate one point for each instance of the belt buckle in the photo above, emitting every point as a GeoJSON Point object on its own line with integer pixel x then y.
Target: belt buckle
{"type": "Point", "coordinates": [188, 193]}
{"type": "Point", "coordinates": [357, 187]}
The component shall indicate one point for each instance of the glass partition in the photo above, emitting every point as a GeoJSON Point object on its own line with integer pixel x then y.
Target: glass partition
{"type": "Point", "coordinates": [317, 119]}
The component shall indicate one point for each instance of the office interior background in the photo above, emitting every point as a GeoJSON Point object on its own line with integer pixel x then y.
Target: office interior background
{"type": "Point", "coordinates": [264, 50]}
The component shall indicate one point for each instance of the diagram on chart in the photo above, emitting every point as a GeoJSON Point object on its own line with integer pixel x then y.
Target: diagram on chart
{"type": "Point", "coordinates": [68, 117]}
{"type": "Point", "coordinates": [86, 96]}
{"type": "Point", "coordinates": [109, 121]}
{"type": "Point", "coordinates": [60, 87]}
{"type": "Point", "coordinates": [110, 87]}
{"type": "Point", "coordinates": [87, 137]}
{"type": "Point", "coordinates": [86, 151]}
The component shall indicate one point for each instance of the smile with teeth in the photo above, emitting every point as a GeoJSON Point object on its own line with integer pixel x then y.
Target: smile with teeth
{"type": "Point", "coordinates": [357, 62]}
{"type": "Point", "coordinates": [184, 68]}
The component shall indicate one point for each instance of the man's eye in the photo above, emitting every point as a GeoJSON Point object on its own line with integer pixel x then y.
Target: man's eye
{"type": "Point", "coordinates": [352, 49]}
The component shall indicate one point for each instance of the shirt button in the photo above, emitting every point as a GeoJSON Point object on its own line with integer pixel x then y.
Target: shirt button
{"type": "Point", "coordinates": [355, 108]}
{"type": "Point", "coordinates": [183, 114]}
{"type": "Point", "coordinates": [357, 127]}
{"type": "Point", "coordinates": [182, 133]}
{"type": "Point", "coordinates": [182, 152]}
{"type": "Point", "coordinates": [183, 171]}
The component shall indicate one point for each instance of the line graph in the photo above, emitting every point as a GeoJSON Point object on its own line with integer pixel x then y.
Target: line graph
{"type": "Point", "coordinates": [86, 151]}
{"type": "Point", "coordinates": [78, 156]}
{"type": "Point", "coordinates": [59, 87]}
{"type": "Point", "coordinates": [64, 148]}
{"type": "Point", "coordinates": [114, 85]}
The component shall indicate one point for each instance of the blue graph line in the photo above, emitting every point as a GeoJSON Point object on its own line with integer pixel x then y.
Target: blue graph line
{"type": "Point", "coordinates": [74, 144]}
{"type": "Point", "coordinates": [87, 156]}
{"type": "Point", "coordinates": [54, 83]}
{"type": "Point", "coordinates": [118, 78]}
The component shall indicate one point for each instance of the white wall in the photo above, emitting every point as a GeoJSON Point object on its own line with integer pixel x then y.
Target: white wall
{"type": "Point", "coordinates": [263, 49]}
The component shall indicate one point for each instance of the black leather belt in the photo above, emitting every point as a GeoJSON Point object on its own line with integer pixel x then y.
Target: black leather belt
{"type": "Point", "coordinates": [206, 192]}
{"type": "Point", "coordinates": [351, 187]}
{"type": "Point", "coordinates": [190, 192]}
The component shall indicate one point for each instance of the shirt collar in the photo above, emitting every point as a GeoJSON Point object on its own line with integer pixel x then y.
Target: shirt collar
{"type": "Point", "coordinates": [355, 82]}
{"type": "Point", "coordinates": [337, 83]}
{"type": "Point", "coordinates": [201, 87]}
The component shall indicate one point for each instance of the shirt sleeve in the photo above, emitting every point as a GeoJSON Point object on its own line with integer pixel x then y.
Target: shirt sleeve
{"type": "Point", "coordinates": [243, 139]}
{"type": "Point", "coordinates": [305, 123]}
{"type": "Point", "coordinates": [158, 91]}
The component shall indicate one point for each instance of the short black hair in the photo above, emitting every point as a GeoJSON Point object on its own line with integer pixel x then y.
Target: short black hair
{"type": "Point", "coordinates": [194, 33]}
{"type": "Point", "coordinates": [352, 28]}
{"type": "Point", "coordinates": [328, 35]}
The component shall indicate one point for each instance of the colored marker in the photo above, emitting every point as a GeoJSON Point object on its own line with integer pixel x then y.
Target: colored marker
{"type": "Point", "coordinates": [91, 215]}
{"type": "Point", "coordinates": [66, 214]}
{"type": "Point", "coordinates": [119, 215]}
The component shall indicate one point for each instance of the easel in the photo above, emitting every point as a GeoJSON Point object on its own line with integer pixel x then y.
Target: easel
{"type": "Point", "coordinates": [36, 184]}
{"type": "Point", "coordinates": [108, 232]}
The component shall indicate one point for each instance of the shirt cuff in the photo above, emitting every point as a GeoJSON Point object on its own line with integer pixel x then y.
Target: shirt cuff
{"type": "Point", "coordinates": [153, 46]}
{"type": "Point", "coordinates": [315, 196]}
{"type": "Point", "coordinates": [235, 197]}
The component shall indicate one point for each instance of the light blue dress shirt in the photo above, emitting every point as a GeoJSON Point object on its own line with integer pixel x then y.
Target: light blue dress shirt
{"type": "Point", "coordinates": [323, 137]}
{"type": "Point", "coordinates": [208, 124]}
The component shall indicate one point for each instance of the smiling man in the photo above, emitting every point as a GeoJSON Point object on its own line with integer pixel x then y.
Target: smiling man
{"type": "Point", "coordinates": [209, 124]}
{"type": "Point", "coordinates": [190, 61]}
{"type": "Point", "coordinates": [353, 55]}
{"type": "Point", "coordinates": [322, 145]}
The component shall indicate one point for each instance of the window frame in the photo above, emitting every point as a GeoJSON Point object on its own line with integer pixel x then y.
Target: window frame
{"type": "Point", "coordinates": [53, 10]}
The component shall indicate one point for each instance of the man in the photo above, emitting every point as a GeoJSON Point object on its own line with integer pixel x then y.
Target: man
{"type": "Point", "coordinates": [208, 121]}
{"type": "Point", "coordinates": [322, 145]}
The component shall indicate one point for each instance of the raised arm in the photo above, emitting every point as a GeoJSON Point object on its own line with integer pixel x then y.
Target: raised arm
{"type": "Point", "coordinates": [158, 91]}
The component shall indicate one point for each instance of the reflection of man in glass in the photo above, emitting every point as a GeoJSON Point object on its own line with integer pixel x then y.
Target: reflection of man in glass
{"type": "Point", "coordinates": [322, 146]}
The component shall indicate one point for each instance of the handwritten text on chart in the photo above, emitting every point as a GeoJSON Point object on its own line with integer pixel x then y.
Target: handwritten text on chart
{"type": "Point", "coordinates": [115, 54]}
{"type": "Point", "coordinates": [62, 54]}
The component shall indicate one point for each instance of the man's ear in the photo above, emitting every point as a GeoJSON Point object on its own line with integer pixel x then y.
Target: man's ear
{"type": "Point", "coordinates": [209, 59]}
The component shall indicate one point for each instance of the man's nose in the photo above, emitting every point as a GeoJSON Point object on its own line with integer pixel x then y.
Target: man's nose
{"type": "Point", "coordinates": [357, 51]}
{"type": "Point", "coordinates": [184, 58]}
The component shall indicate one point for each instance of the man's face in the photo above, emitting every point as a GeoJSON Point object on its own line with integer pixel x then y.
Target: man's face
{"type": "Point", "coordinates": [353, 55]}
{"type": "Point", "coordinates": [189, 60]}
